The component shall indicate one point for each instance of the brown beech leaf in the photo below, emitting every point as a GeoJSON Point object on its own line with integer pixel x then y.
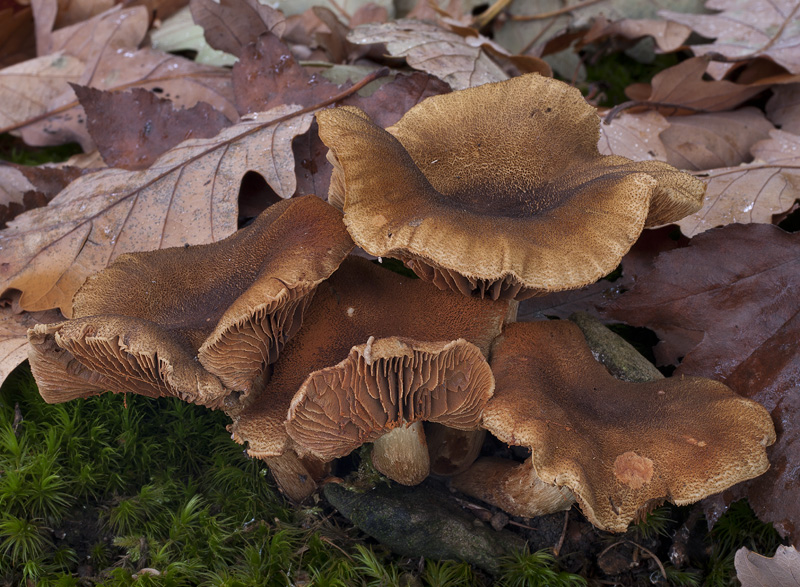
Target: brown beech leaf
{"type": "Point", "coordinates": [267, 75]}
{"type": "Point", "coordinates": [181, 80]}
{"type": "Point", "coordinates": [132, 129]}
{"type": "Point", "coordinates": [17, 42]}
{"type": "Point", "coordinates": [430, 48]}
{"type": "Point", "coordinates": [14, 335]}
{"type": "Point", "coordinates": [729, 303]}
{"type": "Point", "coordinates": [781, 570]}
{"type": "Point", "coordinates": [746, 30]}
{"type": "Point", "coordinates": [592, 298]}
{"type": "Point", "coordinates": [718, 139]}
{"type": "Point", "coordinates": [681, 89]}
{"type": "Point", "coordinates": [188, 196]}
{"type": "Point", "coordinates": [27, 88]}
{"type": "Point", "coordinates": [231, 25]}
{"type": "Point", "coordinates": [752, 192]}
{"type": "Point", "coordinates": [783, 108]}
{"type": "Point", "coordinates": [635, 136]}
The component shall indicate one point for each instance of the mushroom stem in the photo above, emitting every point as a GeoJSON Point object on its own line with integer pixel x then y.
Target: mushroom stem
{"type": "Point", "coordinates": [513, 487]}
{"type": "Point", "coordinates": [402, 454]}
{"type": "Point", "coordinates": [452, 451]}
{"type": "Point", "coordinates": [296, 477]}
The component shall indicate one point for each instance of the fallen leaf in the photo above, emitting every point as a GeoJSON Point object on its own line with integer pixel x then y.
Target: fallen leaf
{"type": "Point", "coordinates": [17, 42]}
{"type": "Point", "coordinates": [748, 29]}
{"type": "Point", "coordinates": [681, 89]}
{"type": "Point", "coordinates": [26, 89]}
{"type": "Point", "coordinates": [184, 82]}
{"type": "Point", "coordinates": [188, 196]}
{"type": "Point", "coordinates": [345, 8]}
{"type": "Point", "coordinates": [719, 139]}
{"type": "Point", "coordinates": [635, 136]}
{"type": "Point", "coordinates": [783, 108]}
{"type": "Point", "coordinates": [430, 48]}
{"type": "Point", "coordinates": [14, 335]}
{"type": "Point", "coordinates": [180, 33]}
{"type": "Point", "coordinates": [729, 304]}
{"type": "Point", "coordinates": [781, 570]}
{"type": "Point", "coordinates": [132, 129]}
{"type": "Point", "coordinates": [752, 192]}
{"type": "Point", "coordinates": [231, 25]}
{"type": "Point", "coordinates": [24, 188]}
{"type": "Point", "coordinates": [669, 36]}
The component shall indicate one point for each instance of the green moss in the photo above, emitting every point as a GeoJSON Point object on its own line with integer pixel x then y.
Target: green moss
{"type": "Point", "coordinates": [14, 150]}
{"type": "Point", "coordinates": [614, 73]}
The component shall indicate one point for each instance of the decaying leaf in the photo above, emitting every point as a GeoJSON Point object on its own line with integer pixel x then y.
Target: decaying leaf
{"type": "Point", "coordinates": [132, 129]}
{"type": "Point", "coordinates": [26, 89]}
{"type": "Point", "coordinates": [430, 48]}
{"type": "Point", "coordinates": [230, 25]}
{"type": "Point", "coordinates": [746, 29]}
{"type": "Point", "coordinates": [180, 33]}
{"type": "Point", "coordinates": [635, 136]}
{"type": "Point", "coordinates": [729, 304]}
{"type": "Point", "coordinates": [718, 139]}
{"type": "Point", "coordinates": [754, 570]}
{"type": "Point", "coordinates": [188, 196]}
{"type": "Point", "coordinates": [24, 188]}
{"type": "Point", "coordinates": [17, 42]}
{"type": "Point", "coordinates": [753, 192]}
{"type": "Point", "coordinates": [14, 333]}
{"type": "Point", "coordinates": [669, 36]}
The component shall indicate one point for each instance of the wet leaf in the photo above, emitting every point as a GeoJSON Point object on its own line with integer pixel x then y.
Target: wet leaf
{"type": "Point", "coordinates": [132, 129]}
{"type": "Point", "coordinates": [188, 196]}
{"type": "Point", "coordinates": [231, 25]}
{"type": "Point", "coordinates": [430, 48]}
{"type": "Point", "coordinates": [729, 304]}
{"type": "Point", "coordinates": [754, 570]}
{"type": "Point", "coordinates": [746, 29]}
{"type": "Point", "coordinates": [753, 192]}
{"type": "Point", "coordinates": [719, 139]}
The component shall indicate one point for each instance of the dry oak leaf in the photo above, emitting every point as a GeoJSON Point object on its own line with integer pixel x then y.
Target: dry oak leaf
{"type": "Point", "coordinates": [27, 88]}
{"type": "Point", "coordinates": [746, 29]}
{"type": "Point", "coordinates": [170, 76]}
{"type": "Point", "coordinates": [132, 129]}
{"type": "Point", "coordinates": [231, 25]}
{"type": "Point", "coordinates": [729, 303]}
{"type": "Point", "coordinates": [781, 570]}
{"type": "Point", "coordinates": [717, 139]}
{"type": "Point", "coordinates": [681, 89]}
{"type": "Point", "coordinates": [635, 136]}
{"type": "Point", "coordinates": [753, 192]}
{"type": "Point", "coordinates": [188, 196]}
{"type": "Point", "coordinates": [430, 48]}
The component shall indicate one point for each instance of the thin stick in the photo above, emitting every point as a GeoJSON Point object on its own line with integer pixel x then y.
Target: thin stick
{"type": "Point", "coordinates": [490, 13]}
{"type": "Point", "coordinates": [640, 547]}
{"type": "Point", "coordinates": [553, 13]}
{"type": "Point", "coordinates": [560, 543]}
{"type": "Point", "coordinates": [708, 172]}
{"type": "Point", "coordinates": [612, 114]}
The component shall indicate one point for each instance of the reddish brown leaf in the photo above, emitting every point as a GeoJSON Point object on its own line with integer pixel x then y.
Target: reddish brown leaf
{"type": "Point", "coordinates": [754, 570]}
{"type": "Point", "coordinates": [132, 129]}
{"type": "Point", "coordinates": [719, 139]}
{"type": "Point", "coordinates": [729, 303]}
{"type": "Point", "coordinates": [746, 30]}
{"type": "Point", "coordinates": [683, 86]}
{"type": "Point", "coordinates": [17, 42]}
{"type": "Point", "coordinates": [753, 192]}
{"type": "Point", "coordinates": [267, 76]}
{"type": "Point", "coordinates": [183, 81]}
{"type": "Point", "coordinates": [188, 196]}
{"type": "Point", "coordinates": [231, 25]}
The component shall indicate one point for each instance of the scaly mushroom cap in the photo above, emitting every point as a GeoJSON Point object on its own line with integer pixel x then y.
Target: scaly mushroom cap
{"type": "Point", "coordinates": [142, 322]}
{"type": "Point", "coordinates": [497, 190]}
{"type": "Point", "coordinates": [388, 384]}
{"type": "Point", "coordinates": [360, 300]}
{"type": "Point", "coordinates": [620, 447]}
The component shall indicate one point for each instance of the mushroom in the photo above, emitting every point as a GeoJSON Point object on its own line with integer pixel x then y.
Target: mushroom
{"type": "Point", "coordinates": [620, 447]}
{"type": "Point", "coordinates": [452, 450]}
{"type": "Point", "coordinates": [497, 190]}
{"type": "Point", "coordinates": [381, 393]}
{"type": "Point", "coordinates": [196, 322]}
{"type": "Point", "coordinates": [359, 301]}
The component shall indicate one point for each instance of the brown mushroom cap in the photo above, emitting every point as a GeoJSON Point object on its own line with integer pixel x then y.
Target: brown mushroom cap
{"type": "Point", "coordinates": [143, 321]}
{"type": "Point", "coordinates": [360, 300]}
{"type": "Point", "coordinates": [620, 447]}
{"type": "Point", "coordinates": [385, 385]}
{"type": "Point", "coordinates": [497, 190]}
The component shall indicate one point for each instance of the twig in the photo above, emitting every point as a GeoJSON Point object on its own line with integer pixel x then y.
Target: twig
{"type": "Point", "coordinates": [490, 13]}
{"type": "Point", "coordinates": [741, 169]}
{"type": "Point", "coordinates": [640, 547]}
{"type": "Point", "coordinates": [552, 13]}
{"type": "Point", "coordinates": [560, 543]}
{"type": "Point", "coordinates": [612, 114]}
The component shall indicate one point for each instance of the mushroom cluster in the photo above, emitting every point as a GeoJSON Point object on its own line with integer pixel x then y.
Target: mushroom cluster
{"type": "Point", "coordinates": [313, 353]}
